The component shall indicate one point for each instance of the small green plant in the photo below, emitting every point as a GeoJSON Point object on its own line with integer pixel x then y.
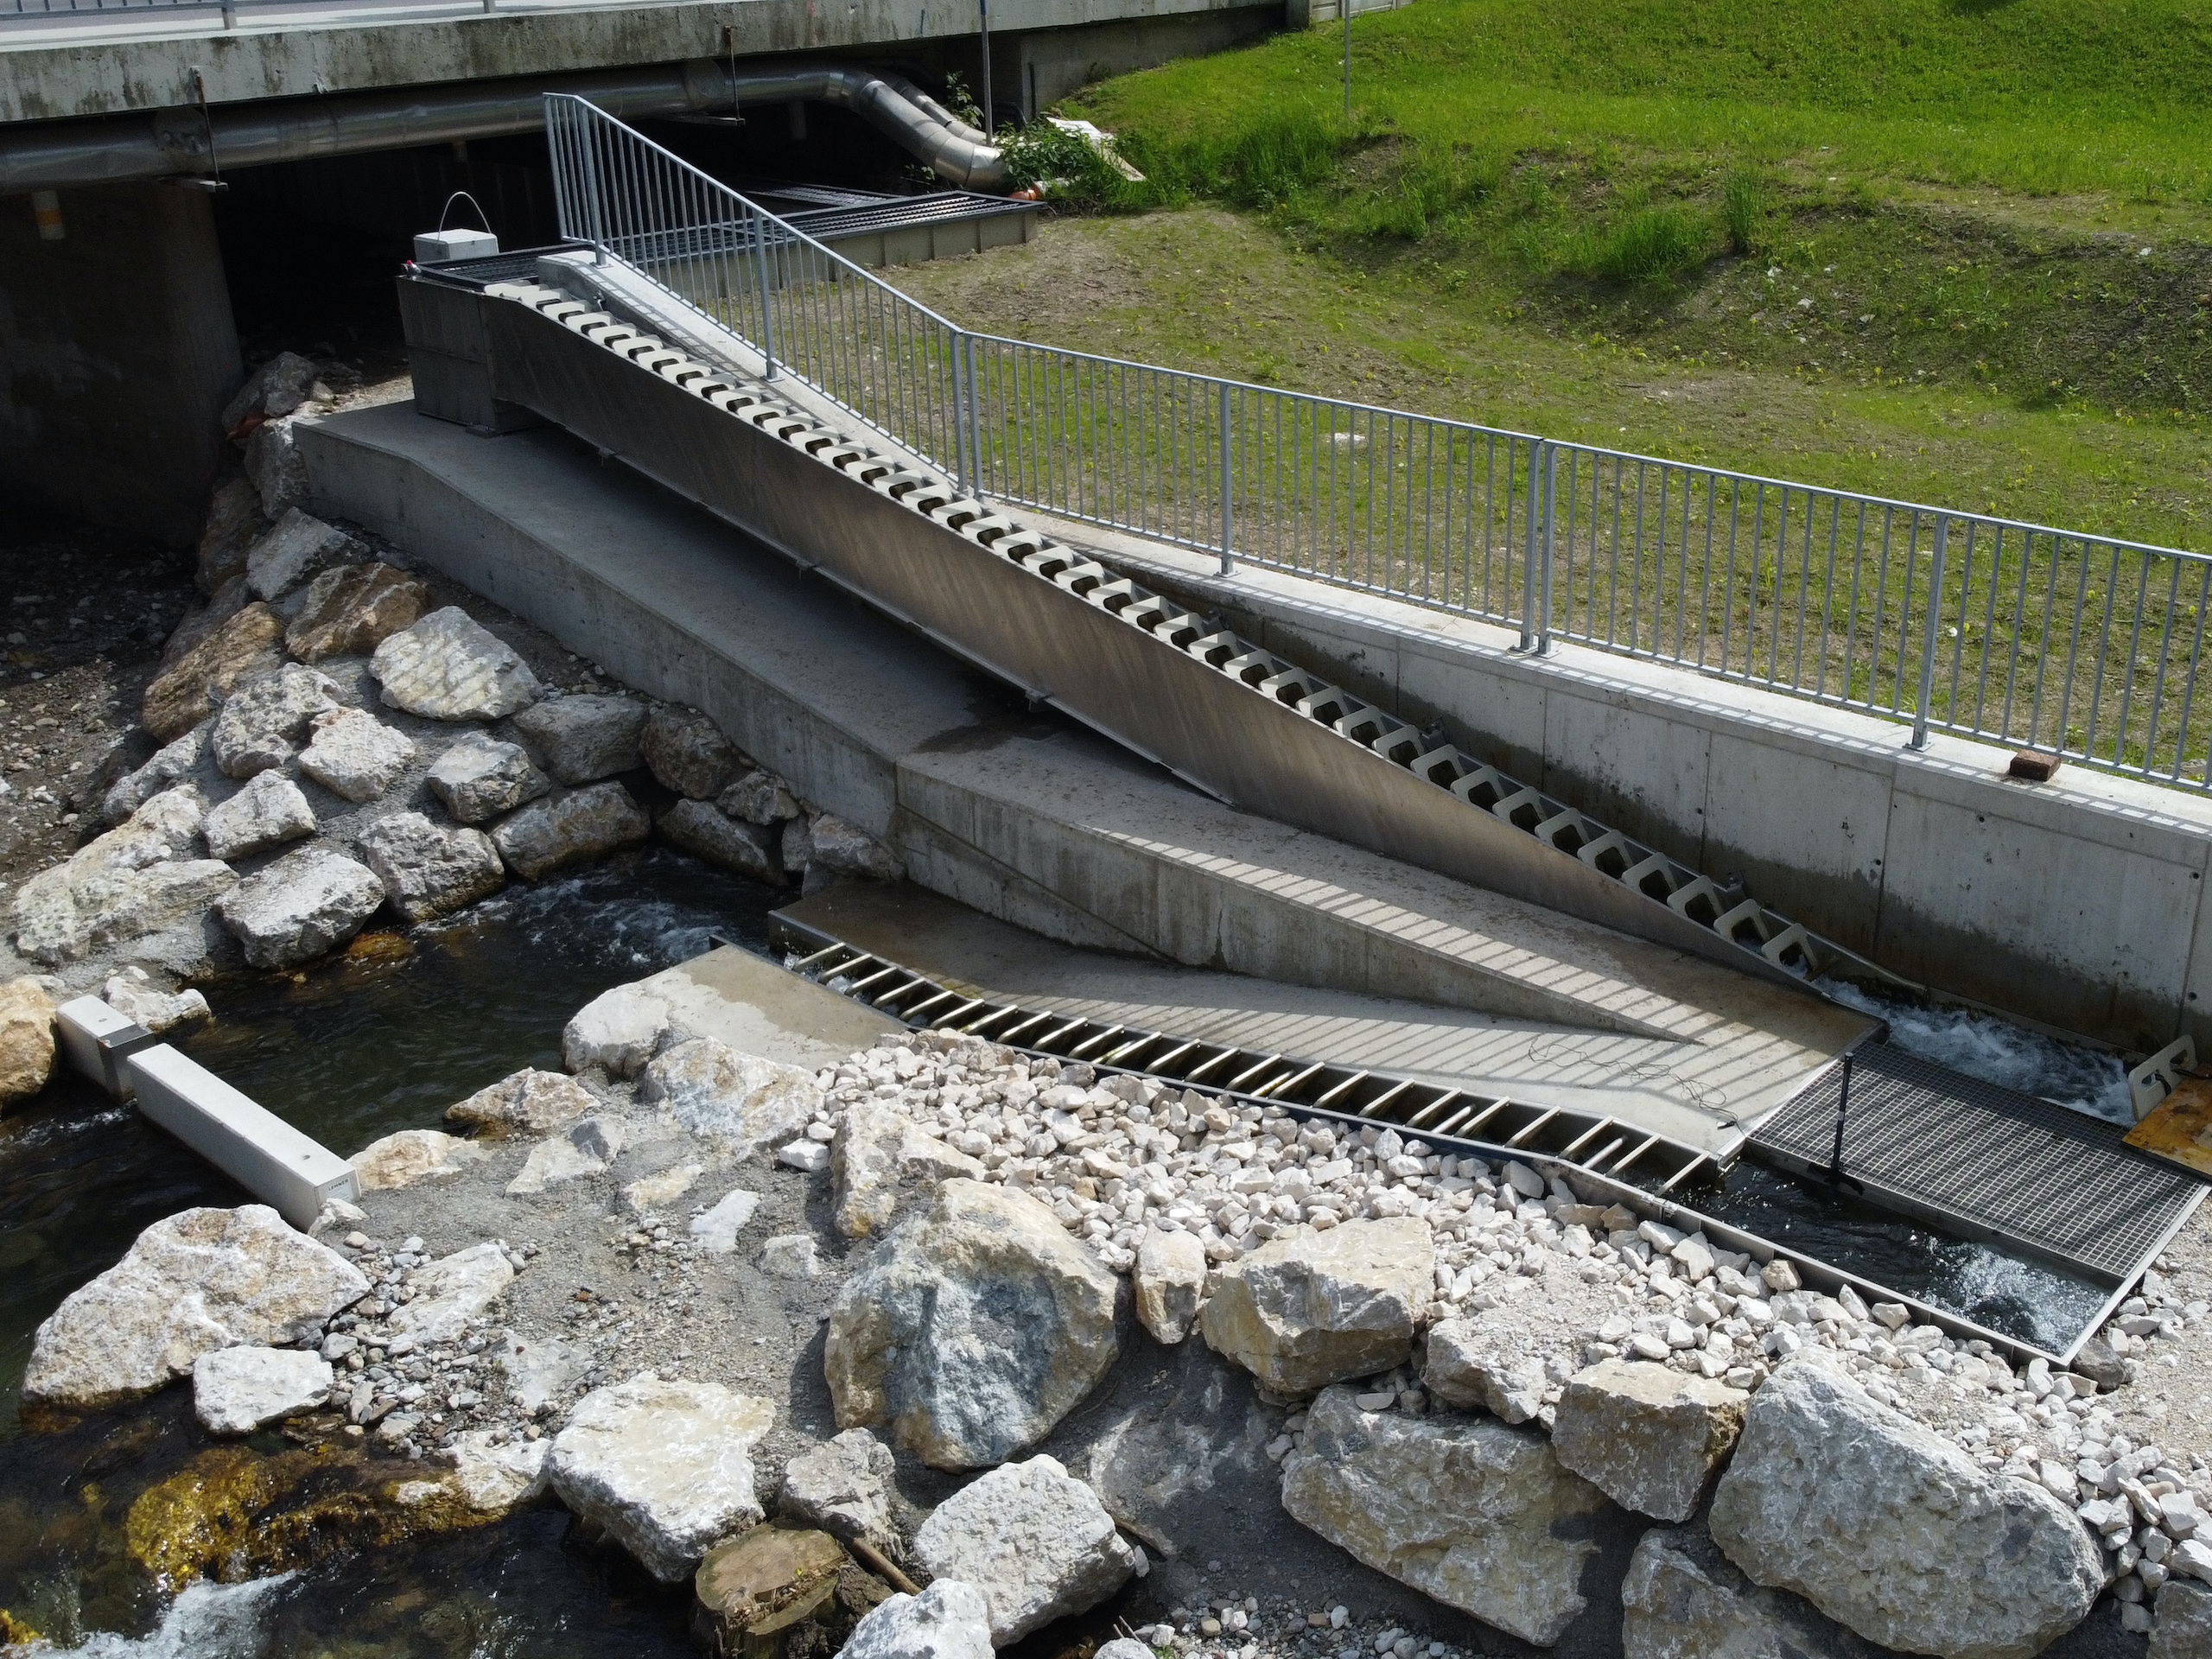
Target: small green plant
{"type": "Point", "coordinates": [1265, 164]}
{"type": "Point", "coordinates": [1649, 246]}
{"type": "Point", "coordinates": [1743, 210]}
{"type": "Point", "coordinates": [1063, 164]}
{"type": "Point", "coordinates": [1437, 190]}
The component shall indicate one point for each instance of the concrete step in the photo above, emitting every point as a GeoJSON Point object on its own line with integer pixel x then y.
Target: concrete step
{"type": "Point", "coordinates": [1027, 818]}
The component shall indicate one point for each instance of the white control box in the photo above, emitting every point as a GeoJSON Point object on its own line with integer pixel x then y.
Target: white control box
{"type": "Point", "coordinates": [435, 247]}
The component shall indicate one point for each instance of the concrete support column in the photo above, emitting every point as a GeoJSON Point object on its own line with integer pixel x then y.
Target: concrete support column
{"type": "Point", "coordinates": [117, 352]}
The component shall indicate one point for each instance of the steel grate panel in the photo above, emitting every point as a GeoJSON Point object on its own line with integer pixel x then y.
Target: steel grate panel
{"type": "Point", "coordinates": [1998, 1160]}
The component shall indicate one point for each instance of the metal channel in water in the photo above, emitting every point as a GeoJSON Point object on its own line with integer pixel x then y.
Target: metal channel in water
{"type": "Point", "coordinates": [1603, 1160]}
{"type": "Point", "coordinates": [1984, 1162]}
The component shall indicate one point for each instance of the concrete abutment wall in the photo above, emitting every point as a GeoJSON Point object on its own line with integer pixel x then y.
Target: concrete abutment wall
{"type": "Point", "coordinates": [2078, 904]}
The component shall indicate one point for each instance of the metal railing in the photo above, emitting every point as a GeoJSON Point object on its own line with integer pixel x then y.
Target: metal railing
{"type": "Point", "coordinates": [2075, 643]}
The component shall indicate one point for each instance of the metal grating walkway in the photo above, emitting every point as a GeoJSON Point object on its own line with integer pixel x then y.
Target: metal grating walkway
{"type": "Point", "coordinates": [1985, 1161]}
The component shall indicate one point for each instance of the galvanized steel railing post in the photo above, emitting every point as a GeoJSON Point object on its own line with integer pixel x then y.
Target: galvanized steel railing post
{"type": "Point", "coordinates": [768, 323]}
{"type": "Point", "coordinates": [1928, 631]}
{"type": "Point", "coordinates": [1544, 583]}
{"type": "Point", "coordinates": [1536, 551]}
{"type": "Point", "coordinates": [1227, 555]}
{"type": "Point", "coordinates": [964, 432]}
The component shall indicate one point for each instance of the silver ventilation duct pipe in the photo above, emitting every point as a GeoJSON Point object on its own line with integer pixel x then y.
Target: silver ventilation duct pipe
{"type": "Point", "coordinates": [186, 143]}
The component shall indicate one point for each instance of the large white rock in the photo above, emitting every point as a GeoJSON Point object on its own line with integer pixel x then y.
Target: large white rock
{"type": "Point", "coordinates": [972, 1330]}
{"type": "Point", "coordinates": [688, 753]}
{"type": "Point", "coordinates": [1170, 1282]}
{"type": "Point", "coordinates": [877, 1152]}
{"type": "Point", "coordinates": [237, 1390]}
{"type": "Point", "coordinates": [305, 904]}
{"type": "Point", "coordinates": [1468, 1511]}
{"type": "Point", "coordinates": [543, 1371]}
{"type": "Point", "coordinates": [1650, 1438]}
{"type": "Point", "coordinates": [716, 1228]}
{"type": "Point", "coordinates": [173, 764]}
{"type": "Point", "coordinates": [847, 847]}
{"type": "Point", "coordinates": [699, 827]}
{"type": "Point", "coordinates": [2185, 1626]}
{"type": "Point", "coordinates": [1684, 1599]}
{"type": "Point", "coordinates": [262, 724]}
{"type": "Point", "coordinates": [586, 1148]}
{"type": "Point", "coordinates": [199, 1280]}
{"type": "Point", "coordinates": [452, 1291]}
{"type": "Point", "coordinates": [406, 1156]}
{"type": "Point", "coordinates": [1309, 1309]}
{"type": "Point", "coordinates": [1483, 1361]}
{"type": "Point", "coordinates": [299, 546]}
{"type": "Point", "coordinates": [132, 994]}
{"type": "Point", "coordinates": [350, 610]}
{"type": "Point", "coordinates": [528, 1101]}
{"type": "Point", "coordinates": [1890, 1529]}
{"type": "Point", "coordinates": [1033, 1539]}
{"type": "Point", "coordinates": [948, 1620]}
{"type": "Point", "coordinates": [352, 754]}
{"type": "Point", "coordinates": [27, 1018]}
{"type": "Point", "coordinates": [664, 1469]}
{"type": "Point", "coordinates": [617, 1031]}
{"type": "Point", "coordinates": [427, 869]}
{"type": "Point", "coordinates": [843, 1486]}
{"type": "Point", "coordinates": [448, 666]}
{"type": "Point", "coordinates": [131, 882]}
{"type": "Point", "coordinates": [268, 812]}
{"type": "Point", "coordinates": [480, 777]}
{"type": "Point", "coordinates": [748, 1103]}
{"type": "Point", "coordinates": [581, 739]}
{"type": "Point", "coordinates": [494, 1478]}
{"type": "Point", "coordinates": [549, 835]}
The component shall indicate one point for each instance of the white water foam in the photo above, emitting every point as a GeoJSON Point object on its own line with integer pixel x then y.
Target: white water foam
{"type": "Point", "coordinates": [206, 1621]}
{"type": "Point", "coordinates": [2067, 1074]}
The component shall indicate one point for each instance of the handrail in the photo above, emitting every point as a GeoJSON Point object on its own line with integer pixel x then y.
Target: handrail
{"type": "Point", "coordinates": [1990, 628]}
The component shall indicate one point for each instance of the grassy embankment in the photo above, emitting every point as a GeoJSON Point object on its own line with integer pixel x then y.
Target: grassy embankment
{"type": "Point", "coordinates": [1950, 250]}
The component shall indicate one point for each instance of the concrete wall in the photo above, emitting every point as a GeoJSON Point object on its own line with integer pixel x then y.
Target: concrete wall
{"type": "Point", "coordinates": [2078, 903]}
{"type": "Point", "coordinates": [117, 355]}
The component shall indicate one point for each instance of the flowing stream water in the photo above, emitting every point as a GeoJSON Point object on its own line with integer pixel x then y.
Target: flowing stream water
{"type": "Point", "coordinates": [386, 1037]}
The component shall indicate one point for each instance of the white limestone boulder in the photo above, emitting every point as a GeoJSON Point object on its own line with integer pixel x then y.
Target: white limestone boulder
{"type": "Point", "coordinates": [847, 847]}
{"type": "Point", "coordinates": [1033, 1539]}
{"type": "Point", "coordinates": [350, 610]}
{"type": "Point", "coordinates": [948, 1620]}
{"type": "Point", "coordinates": [617, 1032]}
{"type": "Point", "coordinates": [451, 1290]}
{"type": "Point", "coordinates": [305, 904]}
{"type": "Point", "coordinates": [1892, 1530]}
{"type": "Point", "coordinates": [448, 666]}
{"type": "Point", "coordinates": [552, 833]}
{"type": "Point", "coordinates": [174, 763]}
{"type": "Point", "coordinates": [1684, 1599]}
{"type": "Point", "coordinates": [298, 546]}
{"type": "Point", "coordinates": [589, 1145]}
{"type": "Point", "coordinates": [237, 1390]}
{"type": "Point", "coordinates": [480, 777]}
{"type": "Point", "coordinates": [430, 869]}
{"type": "Point", "coordinates": [196, 1281]}
{"type": "Point", "coordinates": [26, 1019]}
{"type": "Point", "coordinates": [1170, 1282]}
{"type": "Point", "coordinates": [746, 1104]}
{"type": "Point", "coordinates": [1311, 1309]}
{"type": "Point", "coordinates": [701, 829]}
{"type": "Point", "coordinates": [132, 993]}
{"type": "Point", "coordinates": [760, 797]}
{"type": "Point", "coordinates": [133, 883]}
{"type": "Point", "coordinates": [1650, 1438]}
{"type": "Point", "coordinates": [843, 1486]}
{"type": "Point", "coordinates": [688, 753]}
{"type": "Point", "coordinates": [664, 1469]}
{"type": "Point", "coordinates": [972, 1330]}
{"type": "Point", "coordinates": [581, 739]}
{"type": "Point", "coordinates": [263, 723]}
{"type": "Point", "coordinates": [406, 1156]}
{"type": "Point", "coordinates": [268, 812]}
{"type": "Point", "coordinates": [879, 1153]}
{"type": "Point", "coordinates": [353, 754]}
{"type": "Point", "coordinates": [1468, 1511]}
{"type": "Point", "coordinates": [493, 1479]}
{"type": "Point", "coordinates": [1483, 1361]}
{"type": "Point", "coordinates": [528, 1101]}
{"type": "Point", "coordinates": [716, 1228]}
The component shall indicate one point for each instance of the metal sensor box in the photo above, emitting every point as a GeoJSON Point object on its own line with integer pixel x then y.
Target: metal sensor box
{"type": "Point", "coordinates": [435, 247]}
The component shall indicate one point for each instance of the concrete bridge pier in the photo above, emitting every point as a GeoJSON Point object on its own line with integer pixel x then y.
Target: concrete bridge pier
{"type": "Point", "coordinates": [117, 352]}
